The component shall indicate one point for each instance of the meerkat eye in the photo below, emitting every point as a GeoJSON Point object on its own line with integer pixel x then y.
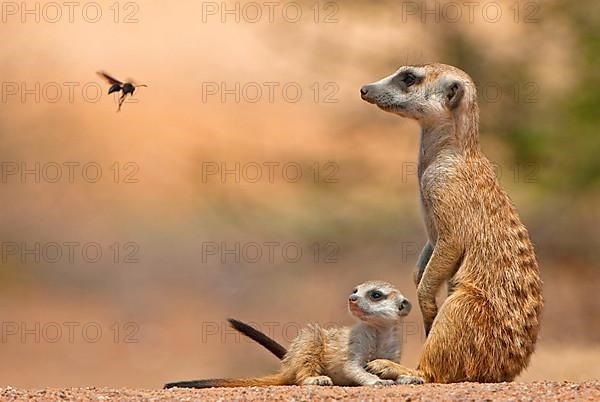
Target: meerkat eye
{"type": "Point", "coordinates": [376, 295]}
{"type": "Point", "coordinates": [409, 79]}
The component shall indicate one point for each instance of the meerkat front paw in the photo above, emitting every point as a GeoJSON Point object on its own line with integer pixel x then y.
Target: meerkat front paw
{"type": "Point", "coordinates": [383, 368]}
{"type": "Point", "coordinates": [410, 379]}
{"type": "Point", "coordinates": [383, 382]}
{"type": "Point", "coordinates": [318, 380]}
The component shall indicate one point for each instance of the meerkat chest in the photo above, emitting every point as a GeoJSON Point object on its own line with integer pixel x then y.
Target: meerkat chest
{"type": "Point", "coordinates": [378, 344]}
{"type": "Point", "coordinates": [372, 348]}
{"type": "Point", "coordinates": [387, 346]}
{"type": "Point", "coordinates": [438, 176]}
{"type": "Point", "coordinates": [435, 183]}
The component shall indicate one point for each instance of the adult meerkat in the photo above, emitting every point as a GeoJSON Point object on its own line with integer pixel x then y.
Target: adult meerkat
{"type": "Point", "coordinates": [320, 356]}
{"type": "Point", "coordinates": [487, 327]}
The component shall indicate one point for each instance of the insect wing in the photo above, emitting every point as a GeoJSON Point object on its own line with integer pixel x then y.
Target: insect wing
{"type": "Point", "coordinates": [108, 78]}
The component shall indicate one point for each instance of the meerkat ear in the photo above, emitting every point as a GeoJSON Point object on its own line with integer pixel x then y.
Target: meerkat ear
{"type": "Point", "coordinates": [454, 93]}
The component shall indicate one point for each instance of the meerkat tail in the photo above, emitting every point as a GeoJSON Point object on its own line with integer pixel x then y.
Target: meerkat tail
{"type": "Point", "coordinates": [275, 379]}
{"type": "Point", "coordinates": [259, 337]}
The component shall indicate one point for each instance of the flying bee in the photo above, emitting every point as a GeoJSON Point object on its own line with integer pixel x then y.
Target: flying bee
{"type": "Point", "coordinates": [116, 86]}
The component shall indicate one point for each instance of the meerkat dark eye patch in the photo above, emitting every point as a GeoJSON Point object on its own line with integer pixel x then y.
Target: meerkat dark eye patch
{"type": "Point", "coordinates": [454, 93]}
{"type": "Point", "coordinates": [407, 78]}
{"type": "Point", "coordinates": [376, 295]}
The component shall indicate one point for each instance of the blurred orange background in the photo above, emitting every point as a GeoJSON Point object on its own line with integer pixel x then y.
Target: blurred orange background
{"type": "Point", "coordinates": [165, 221]}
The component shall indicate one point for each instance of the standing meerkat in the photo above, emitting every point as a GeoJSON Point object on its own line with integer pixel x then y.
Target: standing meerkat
{"type": "Point", "coordinates": [320, 356]}
{"type": "Point", "coordinates": [487, 327]}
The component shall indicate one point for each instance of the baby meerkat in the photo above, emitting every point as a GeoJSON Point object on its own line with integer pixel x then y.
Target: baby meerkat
{"type": "Point", "coordinates": [323, 356]}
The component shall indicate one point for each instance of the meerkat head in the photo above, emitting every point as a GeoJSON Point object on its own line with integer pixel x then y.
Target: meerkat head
{"type": "Point", "coordinates": [378, 303]}
{"type": "Point", "coordinates": [429, 92]}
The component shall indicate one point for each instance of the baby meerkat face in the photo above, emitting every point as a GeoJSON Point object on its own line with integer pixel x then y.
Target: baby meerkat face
{"type": "Point", "coordinates": [424, 92]}
{"type": "Point", "coordinates": [378, 302]}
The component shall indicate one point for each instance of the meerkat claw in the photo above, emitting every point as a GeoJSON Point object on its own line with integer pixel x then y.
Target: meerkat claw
{"type": "Point", "coordinates": [410, 379]}
{"type": "Point", "coordinates": [318, 380]}
{"type": "Point", "coordinates": [384, 382]}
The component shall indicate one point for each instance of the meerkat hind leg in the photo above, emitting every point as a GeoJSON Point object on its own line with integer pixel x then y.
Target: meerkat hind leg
{"type": "Point", "coordinates": [307, 363]}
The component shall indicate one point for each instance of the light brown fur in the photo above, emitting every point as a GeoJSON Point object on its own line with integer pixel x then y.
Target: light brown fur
{"type": "Point", "coordinates": [320, 356]}
{"type": "Point", "coordinates": [487, 327]}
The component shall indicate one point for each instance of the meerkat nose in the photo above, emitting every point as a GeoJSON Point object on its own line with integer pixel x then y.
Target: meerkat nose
{"type": "Point", "coordinates": [353, 298]}
{"type": "Point", "coordinates": [366, 93]}
{"type": "Point", "coordinates": [405, 305]}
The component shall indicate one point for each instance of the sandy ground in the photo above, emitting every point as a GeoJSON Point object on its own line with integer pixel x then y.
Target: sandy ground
{"type": "Point", "coordinates": [536, 391]}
